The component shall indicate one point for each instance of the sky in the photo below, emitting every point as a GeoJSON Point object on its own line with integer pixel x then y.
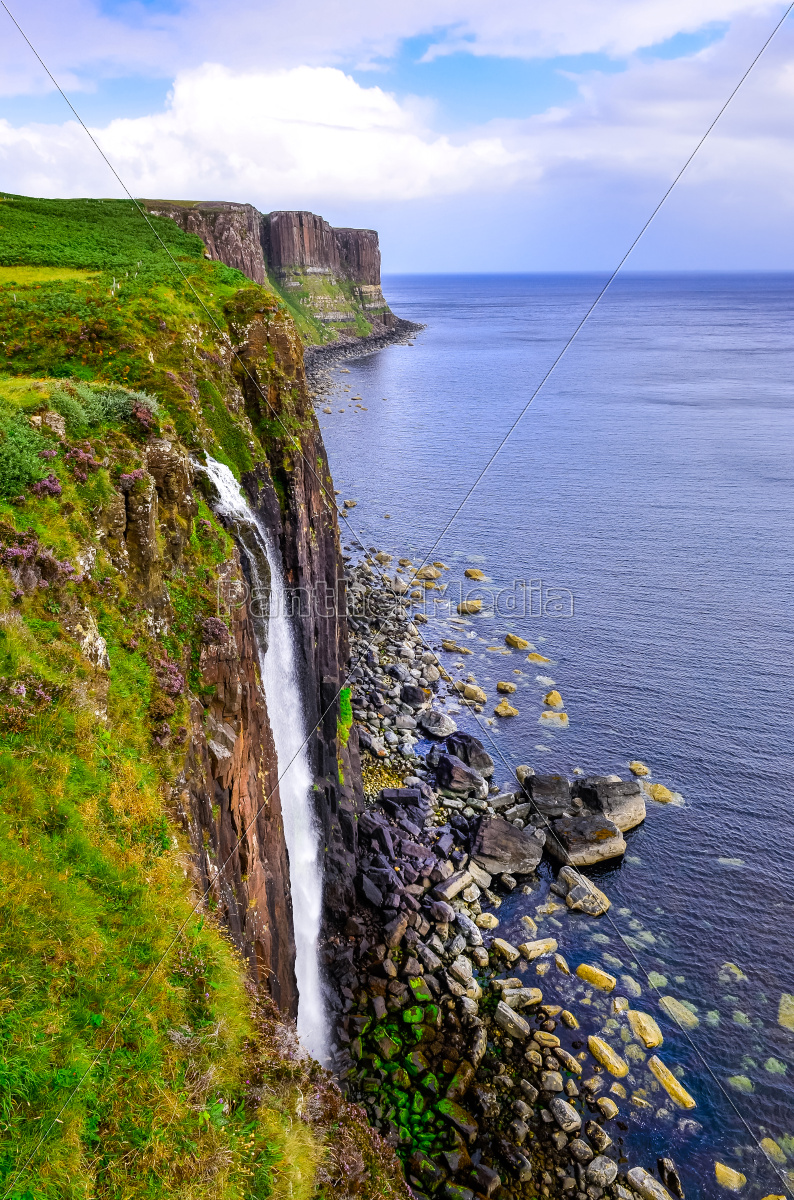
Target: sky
{"type": "Point", "coordinates": [519, 135]}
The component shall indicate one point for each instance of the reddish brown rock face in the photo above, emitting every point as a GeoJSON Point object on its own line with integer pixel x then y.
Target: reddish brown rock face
{"type": "Point", "coordinates": [229, 796]}
{"type": "Point", "coordinates": [302, 239]}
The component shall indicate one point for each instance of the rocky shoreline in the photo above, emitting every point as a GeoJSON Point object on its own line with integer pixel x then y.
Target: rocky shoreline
{"type": "Point", "coordinates": [491, 1067]}
{"type": "Point", "coordinates": [318, 358]}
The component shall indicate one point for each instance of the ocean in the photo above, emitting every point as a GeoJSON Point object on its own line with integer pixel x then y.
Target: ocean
{"type": "Point", "coordinates": [636, 528]}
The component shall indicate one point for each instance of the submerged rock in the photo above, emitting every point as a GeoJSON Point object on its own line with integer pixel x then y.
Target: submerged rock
{"type": "Point", "coordinates": [608, 1057]}
{"type": "Point", "coordinates": [726, 1177]}
{"type": "Point", "coordinates": [581, 894]}
{"type": "Point", "coordinates": [644, 1029]}
{"type": "Point", "coordinates": [678, 1012]}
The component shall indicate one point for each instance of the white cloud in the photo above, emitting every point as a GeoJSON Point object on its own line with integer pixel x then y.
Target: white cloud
{"type": "Point", "coordinates": [285, 138]}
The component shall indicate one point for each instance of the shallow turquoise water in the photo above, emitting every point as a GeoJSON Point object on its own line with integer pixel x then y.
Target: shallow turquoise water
{"type": "Point", "coordinates": [651, 479]}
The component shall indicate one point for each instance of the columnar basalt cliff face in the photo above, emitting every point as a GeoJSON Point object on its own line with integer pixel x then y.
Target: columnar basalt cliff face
{"type": "Point", "coordinates": [330, 277]}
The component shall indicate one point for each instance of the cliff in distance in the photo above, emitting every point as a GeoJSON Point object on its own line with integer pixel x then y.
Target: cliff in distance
{"type": "Point", "coordinates": [328, 278]}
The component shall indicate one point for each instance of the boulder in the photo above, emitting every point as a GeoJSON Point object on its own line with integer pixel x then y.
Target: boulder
{"type": "Point", "coordinates": [371, 892]}
{"type": "Point", "coordinates": [510, 1022]}
{"type": "Point", "coordinates": [499, 848]}
{"type": "Point", "coordinates": [533, 950]}
{"type": "Point", "coordinates": [551, 794]}
{"type": "Point", "coordinates": [649, 1188]}
{"type": "Point", "coordinates": [505, 687]}
{"type": "Point", "coordinates": [450, 887]}
{"type": "Point", "coordinates": [503, 709]}
{"type": "Point", "coordinates": [565, 1115]}
{"type": "Point", "coordinates": [453, 775]}
{"type": "Point", "coordinates": [413, 696]}
{"type": "Point", "coordinates": [515, 642]}
{"type": "Point", "coordinates": [609, 1058]}
{"type": "Point", "coordinates": [726, 1177]}
{"type": "Point", "coordinates": [470, 607]}
{"type": "Point", "coordinates": [621, 800]}
{"type": "Point", "coordinates": [644, 1028]}
{"type": "Point", "coordinates": [602, 1171]}
{"type": "Point", "coordinates": [436, 724]}
{"type": "Point", "coordinates": [581, 894]}
{"type": "Point", "coordinates": [470, 750]}
{"type": "Point", "coordinates": [598, 978]}
{"type": "Point", "coordinates": [584, 839]}
{"type": "Point", "coordinates": [674, 1088]}
{"type": "Point", "coordinates": [639, 768]}
{"type": "Point", "coordinates": [474, 573]}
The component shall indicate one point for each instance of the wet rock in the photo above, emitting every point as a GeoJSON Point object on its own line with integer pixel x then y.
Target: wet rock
{"type": "Point", "coordinates": [521, 998]}
{"type": "Point", "coordinates": [644, 1029]}
{"type": "Point", "coordinates": [584, 839]}
{"type": "Point", "coordinates": [568, 1061]}
{"type": "Point", "coordinates": [674, 1088]}
{"type": "Point", "coordinates": [422, 1166]}
{"type": "Point", "coordinates": [454, 776]}
{"type": "Point", "coordinates": [785, 1012]}
{"type": "Point", "coordinates": [371, 892]}
{"type": "Point", "coordinates": [726, 1177]}
{"type": "Point", "coordinates": [515, 642]}
{"type": "Point", "coordinates": [459, 1118]}
{"type": "Point", "coordinates": [581, 894]}
{"type": "Point", "coordinates": [659, 793]}
{"type": "Point", "coordinates": [551, 794]}
{"type": "Point", "coordinates": [630, 986]}
{"type": "Point", "coordinates": [503, 709]}
{"type": "Point", "coordinates": [510, 1022]}
{"type": "Point", "coordinates": [533, 950]}
{"type": "Point", "coordinates": [643, 1182]}
{"type": "Point", "coordinates": [553, 699]}
{"type": "Point", "coordinates": [598, 978]}
{"type": "Point", "coordinates": [505, 687]}
{"type": "Point", "coordinates": [580, 1151]}
{"type": "Point", "coordinates": [609, 1058]}
{"type": "Point", "coordinates": [505, 950]}
{"type": "Point", "coordinates": [621, 801]}
{"type": "Point", "coordinates": [436, 724]}
{"type": "Point", "coordinates": [468, 929]}
{"type": "Point", "coordinates": [486, 921]}
{"type": "Point", "coordinates": [598, 1136]}
{"type": "Point", "coordinates": [639, 768]}
{"type": "Point", "coordinates": [602, 1171]}
{"type": "Point", "coordinates": [668, 1173]}
{"type": "Point", "coordinates": [461, 1081]}
{"type": "Point", "coordinates": [394, 932]}
{"type": "Point", "coordinates": [565, 1115]}
{"type": "Point", "coordinates": [608, 1107]}
{"type": "Point", "coordinates": [550, 1081]}
{"type": "Point", "coordinates": [679, 1012]}
{"type": "Point", "coordinates": [470, 750]}
{"type": "Point", "coordinates": [499, 848]}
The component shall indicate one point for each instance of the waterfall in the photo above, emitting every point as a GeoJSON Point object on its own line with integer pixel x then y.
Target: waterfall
{"type": "Point", "coordinates": [281, 684]}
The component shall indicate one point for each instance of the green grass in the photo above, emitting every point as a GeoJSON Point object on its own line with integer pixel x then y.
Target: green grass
{"type": "Point", "coordinates": [135, 1061]}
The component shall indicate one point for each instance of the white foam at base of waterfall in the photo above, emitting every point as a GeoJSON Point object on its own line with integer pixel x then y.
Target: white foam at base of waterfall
{"type": "Point", "coordinates": [281, 685]}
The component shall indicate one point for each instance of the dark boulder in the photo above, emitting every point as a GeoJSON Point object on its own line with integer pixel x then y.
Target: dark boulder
{"type": "Point", "coordinates": [499, 848]}
{"type": "Point", "coordinates": [370, 891]}
{"type": "Point", "coordinates": [471, 751]}
{"type": "Point", "coordinates": [584, 839]}
{"type": "Point", "coordinates": [621, 800]}
{"type": "Point", "coordinates": [550, 794]}
{"type": "Point", "coordinates": [413, 696]}
{"type": "Point", "coordinates": [458, 779]}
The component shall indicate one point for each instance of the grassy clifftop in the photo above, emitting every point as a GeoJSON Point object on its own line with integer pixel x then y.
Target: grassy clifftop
{"type": "Point", "coordinates": [135, 1057]}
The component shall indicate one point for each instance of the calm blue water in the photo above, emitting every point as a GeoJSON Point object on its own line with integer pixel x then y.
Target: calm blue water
{"type": "Point", "coordinates": [652, 478]}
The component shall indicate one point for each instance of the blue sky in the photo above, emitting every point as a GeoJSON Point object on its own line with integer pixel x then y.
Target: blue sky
{"type": "Point", "coordinates": [509, 137]}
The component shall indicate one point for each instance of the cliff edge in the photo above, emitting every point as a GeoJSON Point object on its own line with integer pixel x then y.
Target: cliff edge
{"type": "Point", "coordinates": [328, 278]}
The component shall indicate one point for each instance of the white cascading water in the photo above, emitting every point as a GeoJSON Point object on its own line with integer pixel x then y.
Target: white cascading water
{"type": "Point", "coordinates": [281, 684]}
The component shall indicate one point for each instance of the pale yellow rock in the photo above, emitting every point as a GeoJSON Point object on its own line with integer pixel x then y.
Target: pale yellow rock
{"type": "Point", "coordinates": [785, 1012]}
{"type": "Point", "coordinates": [327, 410]}
{"type": "Point", "coordinates": [639, 768]}
{"type": "Point", "coordinates": [620, 1004]}
{"type": "Point", "coordinates": [644, 1029]}
{"type": "Point", "coordinates": [516, 642]}
{"type": "Point", "coordinates": [639, 1101]}
{"type": "Point", "coordinates": [533, 950]}
{"type": "Point", "coordinates": [734, 1181]}
{"type": "Point", "coordinates": [507, 688]}
{"type": "Point", "coordinates": [428, 572]}
{"type": "Point", "coordinates": [569, 1019]}
{"type": "Point", "coordinates": [561, 965]}
{"type": "Point", "coordinates": [679, 1012]}
{"type": "Point", "coordinates": [600, 979]}
{"type": "Point", "coordinates": [503, 709]}
{"type": "Point", "coordinates": [537, 658]}
{"type": "Point", "coordinates": [473, 573]}
{"type": "Point", "coordinates": [659, 793]}
{"type": "Point", "coordinates": [486, 921]}
{"type": "Point", "coordinates": [773, 1151]}
{"type": "Point", "coordinates": [529, 924]}
{"type": "Point", "coordinates": [472, 692]}
{"type": "Point", "coordinates": [448, 644]}
{"type": "Point", "coordinates": [608, 1057]}
{"type": "Point", "coordinates": [618, 1089]}
{"type": "Point", "coordinates": [506, 950]}
{"type": "Point", "coordinates": [554, 718]}
{"type": "Point", "coordinates": [609, 1108]}
{"type": "Point", "coordinates": [470, 606]}
{"type": "Point", "coordinates": [553, 699]}
{"type": "Point", "coordinates": [674, 1088]}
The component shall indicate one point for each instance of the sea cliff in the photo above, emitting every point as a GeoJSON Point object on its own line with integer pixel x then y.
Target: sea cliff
{"type": "Point", "coordinates": [147, 956]}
